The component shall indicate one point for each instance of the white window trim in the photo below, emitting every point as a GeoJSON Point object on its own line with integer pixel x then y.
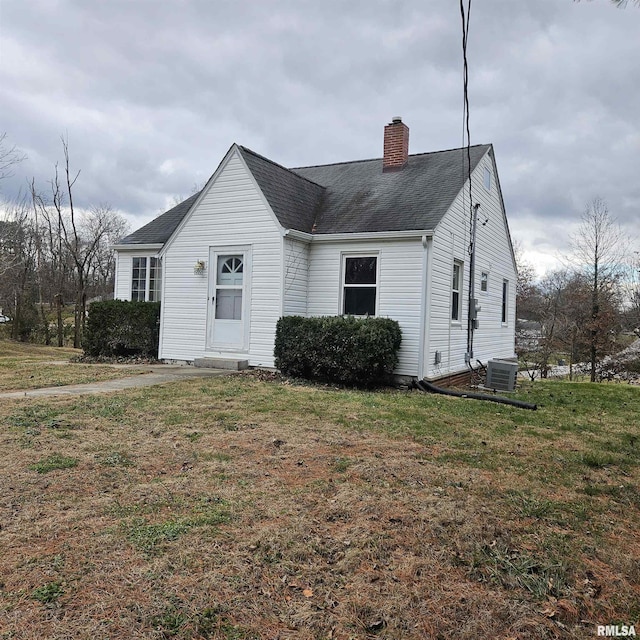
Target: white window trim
{"type": "Point", "coordinates": [147, 281]}
{"type": "Point", "coordinates": [504, 307]}
{"type": "Point", "coordinates": [343, 273]}
{"type": "Point", "coordinates": [460, 264]}
{"type": "Point", "coordinates": [131, 280]}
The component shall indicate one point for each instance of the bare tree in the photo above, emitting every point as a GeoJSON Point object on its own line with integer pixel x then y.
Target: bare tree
{"type": "Point", "coordinates": [527, 290]}
{"type": "Point", "coordinates": [17, 262]}
{"type": "Point", "coordinates": [631, 287]}
{"type": "Point", "coordinates": [9, 157]}
{"type": "Point", "coordinates": [83, 235]}
{"type": "Point", "coordinates": [8, 232]}
{"type": "Point", "coordinates": [549, 319]}
{"type": "Point", "coordinates": [53, 269]}
{"type": "Point", "coordinates": [11, 226]}
{"type": "Point", "coordinates": [598, 253]}
{"type": "Point", "coordinates": [553, 319]}
{"type": "Point", "coordinates": [74, 255]}
{"type": "Point", "coordinates": [102, 227]}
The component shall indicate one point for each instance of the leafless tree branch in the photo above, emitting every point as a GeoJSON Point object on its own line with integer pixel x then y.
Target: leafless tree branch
{"type": "Point", "coordinates": [9, 157]}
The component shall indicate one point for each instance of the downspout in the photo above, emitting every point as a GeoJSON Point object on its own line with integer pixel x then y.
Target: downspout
{"type": "Point", "coordinates": [451, 261]}
{"type": "Point", "coordinates": [422, 341]}
{"type": "Point", "coordinates": [162, 305]}
{"type": "Point", "coordinates": [283, 268]}
{"type": "Point", "coordinates": [115, 275]}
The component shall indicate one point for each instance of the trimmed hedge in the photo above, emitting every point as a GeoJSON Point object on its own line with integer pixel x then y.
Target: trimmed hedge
{"type": "Point", "coordinates": [361, 352]}
{"type": "Point", "coordinates": [121, 328]}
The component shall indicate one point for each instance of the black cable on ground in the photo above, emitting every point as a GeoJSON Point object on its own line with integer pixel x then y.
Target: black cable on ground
{"type": "Point", "coordinates": [427, 387]}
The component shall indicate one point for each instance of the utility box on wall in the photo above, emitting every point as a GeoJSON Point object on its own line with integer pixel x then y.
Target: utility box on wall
{"type": "Point", "coordinates": [501, 375]}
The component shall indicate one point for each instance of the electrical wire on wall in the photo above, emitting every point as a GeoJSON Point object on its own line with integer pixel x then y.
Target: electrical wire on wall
{"type": "Point", "coordinates": [465, 14]}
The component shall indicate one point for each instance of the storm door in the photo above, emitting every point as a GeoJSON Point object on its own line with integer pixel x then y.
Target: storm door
{"type": "Point", "coordinates": [227, 300]}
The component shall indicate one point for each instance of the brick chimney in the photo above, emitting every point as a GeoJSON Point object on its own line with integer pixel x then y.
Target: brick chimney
{"type": "Point", "coordinates": [396, 145]}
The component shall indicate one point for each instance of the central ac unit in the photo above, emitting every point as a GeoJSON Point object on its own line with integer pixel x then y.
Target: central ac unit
{"type": "Point", "coordinates": [501, 375]}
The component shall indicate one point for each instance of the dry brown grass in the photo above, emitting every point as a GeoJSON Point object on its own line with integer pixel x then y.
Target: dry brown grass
{"type": "Point", "coordinates": [27, 366]}
{"type": "Point", "coordinates": [27, 351]}
{"type": "Point", "coordinates": [234, 508]}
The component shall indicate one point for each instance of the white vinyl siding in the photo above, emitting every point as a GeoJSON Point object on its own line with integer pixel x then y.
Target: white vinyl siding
{"type": "Point", "coordinates": [296, 277]}
{"type": "Point", "coordinates": [231, 213]}
{"type": "Point", "coordinates": [400, 286]}
{"type": "Point", "coordinates": [291, 276]}
{"type": "Point", "coordinates": [492, 339]}
{"type": "Point", "coordinates": [122, 285]}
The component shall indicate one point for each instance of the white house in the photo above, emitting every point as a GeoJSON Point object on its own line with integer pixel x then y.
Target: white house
{"type": "Point", "coordinates": [386, 237]}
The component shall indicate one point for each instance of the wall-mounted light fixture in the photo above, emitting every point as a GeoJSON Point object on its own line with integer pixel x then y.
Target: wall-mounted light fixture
{"type": "Point", "coordinates": [199, 267]}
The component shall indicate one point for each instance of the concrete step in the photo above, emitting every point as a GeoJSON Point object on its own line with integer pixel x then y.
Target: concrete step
{"type": "Point", "coordinates": [221, 363]}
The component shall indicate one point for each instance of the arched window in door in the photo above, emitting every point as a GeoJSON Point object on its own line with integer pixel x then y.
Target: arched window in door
{"type": "Point", "coordinates": [230, 274]}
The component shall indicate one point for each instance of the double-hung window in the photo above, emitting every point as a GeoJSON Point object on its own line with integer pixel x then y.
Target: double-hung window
{"type": "Point", "coordinates": [456, 292]}
{"type": "Point", "coordinates": [146, 279]}
{"type": "Point", "coordinates": [360, 285]}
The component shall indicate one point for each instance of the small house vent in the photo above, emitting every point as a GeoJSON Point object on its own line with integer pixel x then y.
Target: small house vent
{"type": "Point", "coordinates": [501, 375]}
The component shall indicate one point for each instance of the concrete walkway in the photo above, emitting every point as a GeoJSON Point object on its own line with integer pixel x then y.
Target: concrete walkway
{"type": "Point", "coordinates": [158, 374]}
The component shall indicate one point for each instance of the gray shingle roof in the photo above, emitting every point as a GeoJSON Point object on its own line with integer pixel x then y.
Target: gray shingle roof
{"type": "Point", "coordinates": [359, 197]}
{"type": "Point", "coordinates": [159, 230]}
{"type": "Point", "coordinates": [348, 197]}
{"type": "Point", "coordinates": [294, 199]}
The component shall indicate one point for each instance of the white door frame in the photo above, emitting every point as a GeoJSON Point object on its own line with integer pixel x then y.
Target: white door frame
{"type": "Point", "coordinates": [243, 343]}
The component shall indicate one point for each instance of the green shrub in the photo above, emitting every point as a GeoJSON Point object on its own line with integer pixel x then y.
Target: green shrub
{"type": "Point", "coordinates": [360, 352]}
{"type": "Point", "coordinates": [121, 328]}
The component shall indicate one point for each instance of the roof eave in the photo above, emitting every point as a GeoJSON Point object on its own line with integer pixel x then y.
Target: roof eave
{"type": "Point", "coordinates": [365, 235]}
{"type": "Point", "coordinates": [138, 247]}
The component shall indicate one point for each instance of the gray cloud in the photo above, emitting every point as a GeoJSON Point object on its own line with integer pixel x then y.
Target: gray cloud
{"type": "Point", "coordinates": [152, 94]}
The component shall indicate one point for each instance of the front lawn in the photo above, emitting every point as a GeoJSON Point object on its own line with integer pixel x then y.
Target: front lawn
{"type": "Point", "coordinates": [237, 508]}
{"type": "Point", "coordinates": [30, 366]}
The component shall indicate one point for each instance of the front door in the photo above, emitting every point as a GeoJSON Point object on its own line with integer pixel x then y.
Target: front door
{"type": "Point", "coordinates": [227, 300]}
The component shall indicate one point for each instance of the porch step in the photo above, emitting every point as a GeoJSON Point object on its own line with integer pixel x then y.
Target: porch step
{"type": "Point", "coordinates": [221, 363]}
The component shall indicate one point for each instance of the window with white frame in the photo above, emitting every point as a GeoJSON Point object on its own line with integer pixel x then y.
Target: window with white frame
{"type": "Point", "coordinates": [146, 279]}
{"type": "Point", "coordinates": [456, 292]}
{"type": "Point", "coordinates": [487, 178]}
{"type": "Point", "coordinates": [484, 281]}
{"type": "Point", "coordinates": [505, 297]}
{"type": "Point", "coordinates": [359, 285]}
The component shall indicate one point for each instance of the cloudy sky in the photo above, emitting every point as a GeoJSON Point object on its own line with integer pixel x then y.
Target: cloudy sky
{"type": "Point", "coordinates": [151, 94]}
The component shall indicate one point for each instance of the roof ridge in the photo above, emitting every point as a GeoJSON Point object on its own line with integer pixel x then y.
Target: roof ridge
{"type": "Point", "coordinates": [276, 164]}
{"type": "Point", "coordinates": [411, 155]}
